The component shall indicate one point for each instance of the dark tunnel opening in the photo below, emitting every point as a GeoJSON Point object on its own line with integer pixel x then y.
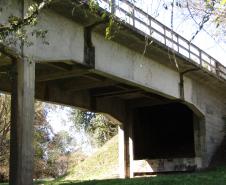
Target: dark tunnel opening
{"type": "Point", "coordinates": [163, 131]}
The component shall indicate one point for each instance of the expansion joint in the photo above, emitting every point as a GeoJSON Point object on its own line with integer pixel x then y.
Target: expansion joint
{"type": "Point", "coordinates": [181, 83]}
{"type": "Point", "coordinates": [89, 49]}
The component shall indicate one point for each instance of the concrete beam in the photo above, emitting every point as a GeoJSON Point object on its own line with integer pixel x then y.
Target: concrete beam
{"type": "Point", "coordinates": [59, 65]}
{"type": "Point", "coordinates": [73, 86]}
{"type": "Point", "coordinates": [117, 93]}
{"type": "Point", "coordinates": [62, 75]}
{"type": "Point", "coordinates": [22, 117]}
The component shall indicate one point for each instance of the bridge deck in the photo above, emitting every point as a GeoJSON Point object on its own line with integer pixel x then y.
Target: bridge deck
{"type": "Point", "coordinates": [155, 31]}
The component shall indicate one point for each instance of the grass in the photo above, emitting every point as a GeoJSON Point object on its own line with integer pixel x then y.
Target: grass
{"type": "Point", "coordinates": [39, 182]}
{"type": "Point", "coordinates": [213, 177]}
{"type": "Point", "coordinates": [101, 165]}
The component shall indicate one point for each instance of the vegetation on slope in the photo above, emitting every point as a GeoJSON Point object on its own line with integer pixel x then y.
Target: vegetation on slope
{"type": "Point", "coordinates": [101, 165]}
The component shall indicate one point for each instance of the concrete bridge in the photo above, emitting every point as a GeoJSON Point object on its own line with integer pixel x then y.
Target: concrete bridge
{"type": "Point", "coordinates": [169, 100]}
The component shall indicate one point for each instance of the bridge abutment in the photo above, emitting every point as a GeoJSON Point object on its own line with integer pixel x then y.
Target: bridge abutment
{"type": "Point", "coordinates": [161, 138]}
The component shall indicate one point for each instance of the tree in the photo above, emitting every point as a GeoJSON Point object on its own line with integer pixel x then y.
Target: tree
{"type": "Point", "coordinates": [42, 137]}
{"type": "Point", "coordinates": [102, 129]}
{"type": "Point", "coordinates": [82, 119]}
{"type": "Point", "coordinates": [58, 153]}
{"type": "Point", "coordinates": [206, 14]}
{"type": "Point", "coordinates": [99, 127]}
{"type": "Point", "coordinates": [4, 135]}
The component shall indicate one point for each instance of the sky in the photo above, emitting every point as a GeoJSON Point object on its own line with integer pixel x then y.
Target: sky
{"type": "Point", "coordinates": [60, 120]}
{"type": "Point", "coordinates": [186, 27]}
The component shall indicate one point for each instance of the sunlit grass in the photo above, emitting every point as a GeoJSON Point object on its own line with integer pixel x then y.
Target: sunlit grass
{"type": "Point", "coordinates": [213, 177]}
{"type": "Point", "coordinates": [101, 165]}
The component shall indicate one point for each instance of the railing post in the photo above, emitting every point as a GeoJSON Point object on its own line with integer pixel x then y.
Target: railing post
{"type": "Point", "coordinates": [217, 64]}
{"type": "Point", "coordinates": [200, 57]}
{"type": "Point", "coordinates": [164, 35]}
{"type": "Point", "coordinates": [211, 67]}
{"type": "Point", "coordinates": [133, 15]}
{"type": "Point", "coordinates": [112, 6]}
{"type": "Point", "coordinates": [194, 53]}
{"type": "Point", "coordinates": [189, 50]}
{"type": "Point", "coordinates": [150, 28]}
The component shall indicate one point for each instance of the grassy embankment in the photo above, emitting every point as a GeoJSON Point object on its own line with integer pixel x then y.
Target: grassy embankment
{"type": "Point", "coordinates": [213, 177]}
{"type": "Point", "coordinates": [103, 164]}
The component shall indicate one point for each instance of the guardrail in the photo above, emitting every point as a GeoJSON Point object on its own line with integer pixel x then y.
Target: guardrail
{"type": "Point", "coordinates": [145, 23]}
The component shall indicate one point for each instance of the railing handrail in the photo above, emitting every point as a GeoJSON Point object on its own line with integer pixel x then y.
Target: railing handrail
{"type": "Point", "coordinates": [212, 65]}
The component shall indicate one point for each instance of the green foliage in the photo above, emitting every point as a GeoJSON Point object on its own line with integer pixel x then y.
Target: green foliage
{"type": "Point", "coordinates": [50, 150]}
{"type": "Point", "coordinates": [54, 161]}
{"type": "Point", "coordinates": [93, 6]}
{"type": "Point", "coordinates": [108, 31]}
{"type": "Point", "coordinates": [100, 165]}
{"type": "Point", "coordinates": [4, 135]}
{"type": "Point", "coordinates": [102, 129]}
{"type": "Point", "coordinates": [99, 127]}
{"type": "Point", "coordinates": [81, 118]}
{"type": "Point", "coordinates": [16, 28]}
{"type": "Point", "coordinates": [42, 131]}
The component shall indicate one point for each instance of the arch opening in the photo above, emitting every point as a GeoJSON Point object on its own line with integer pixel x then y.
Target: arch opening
{"type": "Point", "coordinates": [164, 131]}
{"type": "Point", "coordinates": [167, 137]}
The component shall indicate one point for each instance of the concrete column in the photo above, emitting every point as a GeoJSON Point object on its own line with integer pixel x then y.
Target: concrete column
{"type": "Point", "coordinates": [121, 147]}
{"type": "Point", "coordinates": [22, 117]}
{"type": "Point", "coordinates": [199, 139]}
{"type": "Point", "coordinates": [124, 156]}
{"type": "Point", "coordinates": [126, 149]}
{"type": "Point", "coordinates": [131, 152]}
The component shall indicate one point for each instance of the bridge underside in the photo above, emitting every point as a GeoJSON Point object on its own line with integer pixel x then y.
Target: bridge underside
{"type": "Point", "coordinates": [165, 139]}
{"type": "Point", "coordinates": [157, 134]}
{"type": "Point", "coordinates": [164, 131]}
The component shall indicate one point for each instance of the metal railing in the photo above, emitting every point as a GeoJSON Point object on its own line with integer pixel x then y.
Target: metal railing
{"type": "Point", "coordinates": [145, 23]}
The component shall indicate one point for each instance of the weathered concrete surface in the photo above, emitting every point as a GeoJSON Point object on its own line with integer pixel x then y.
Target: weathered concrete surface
{"type": "Point", "coordinates": [22, 117]}
{"type": "Point", "coordinates": [117, 60]}
{"type": "Point", "coordinates": [163, 165]}
{"type": "Point", "coordinates": [65, 37]}
{"type": "Point", "coordinates": [12, 7]}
